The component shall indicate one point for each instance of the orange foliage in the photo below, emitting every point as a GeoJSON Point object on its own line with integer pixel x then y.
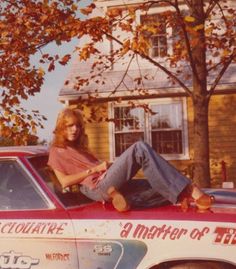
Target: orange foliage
{"type": "Point", "coordinates": [27, 26]}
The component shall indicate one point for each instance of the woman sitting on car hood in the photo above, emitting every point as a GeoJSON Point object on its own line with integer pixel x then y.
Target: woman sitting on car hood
{"type": "Point", "coordinates": [73, 163]}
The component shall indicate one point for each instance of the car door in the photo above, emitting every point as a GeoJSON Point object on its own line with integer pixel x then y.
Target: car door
{"type": "Point", "coordinates": [35, 231]}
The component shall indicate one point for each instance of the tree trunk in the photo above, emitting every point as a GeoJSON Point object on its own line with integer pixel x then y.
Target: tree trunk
{"type": "Point", "coordinates": [201, 174]}
{"type": "Point", "coordinates": [200, 100]}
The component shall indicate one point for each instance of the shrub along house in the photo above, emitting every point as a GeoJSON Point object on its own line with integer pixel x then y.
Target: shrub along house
{"type": "Point", "coordinates": [170, 128]}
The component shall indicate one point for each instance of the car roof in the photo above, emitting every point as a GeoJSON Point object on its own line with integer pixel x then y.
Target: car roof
{"type": "Point", "coordinates": [23, 150]}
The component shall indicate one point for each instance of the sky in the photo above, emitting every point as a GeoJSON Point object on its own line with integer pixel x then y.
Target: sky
{"type": "Point", "coordinates": [47, 100]}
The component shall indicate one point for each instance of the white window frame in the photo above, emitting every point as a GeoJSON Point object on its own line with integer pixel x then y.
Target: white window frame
{"type": "Point", "coordinates": [147, 128]}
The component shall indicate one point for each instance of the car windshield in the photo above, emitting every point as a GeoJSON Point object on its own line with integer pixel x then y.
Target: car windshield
{"type": "Point", "coordinates": [68, 197]}
{"type": "Point", "coordinates": [18, 190]}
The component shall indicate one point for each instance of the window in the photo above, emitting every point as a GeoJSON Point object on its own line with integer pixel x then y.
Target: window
{"type": "Point", "coordinates": [159, 46]}
{"type": "Point", "coordinates": [17, 189]}
{"type": "Point", "coordinates": [164, 128]}
{"type": "Point", "coordinates": [129, 127]}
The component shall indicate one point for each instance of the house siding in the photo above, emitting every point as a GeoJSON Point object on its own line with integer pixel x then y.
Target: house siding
{"type": "Point", "coordinates": [222, 129]}
{"type": "Point", "coordinates": [98, 133]}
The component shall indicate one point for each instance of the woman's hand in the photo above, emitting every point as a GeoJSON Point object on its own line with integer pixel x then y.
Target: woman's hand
{"type": "Point", "coordinates": [101, 167]}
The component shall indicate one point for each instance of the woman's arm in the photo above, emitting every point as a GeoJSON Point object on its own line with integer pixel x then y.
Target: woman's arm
{"type": "Point", "coordinates": [68, 180]}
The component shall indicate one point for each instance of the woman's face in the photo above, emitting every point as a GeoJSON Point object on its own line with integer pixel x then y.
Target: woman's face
{"type": "Point", "coordinates": [72, 129]}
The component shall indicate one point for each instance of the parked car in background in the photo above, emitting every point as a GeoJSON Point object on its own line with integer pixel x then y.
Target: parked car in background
{"type": "Point", "coordinates": [42, 227]}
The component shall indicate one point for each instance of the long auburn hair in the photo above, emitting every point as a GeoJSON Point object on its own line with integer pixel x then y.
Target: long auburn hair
{"type": "Point", "coordinates": [60, 139]}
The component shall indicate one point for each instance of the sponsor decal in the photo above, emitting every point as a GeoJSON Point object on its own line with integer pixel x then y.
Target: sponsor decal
{"type": "Point", "coordinates": [14, 260]}
{"type": "Point", "coordinates": [225, 236]}
{"type": "Point", "coordinates": [33, 228]}
{"type": "Point", "coordinates": [107, 254]}
{"type": "Point", "coordinates": [57, 256]}
{"type": "Point", "coordinates": [163, 232]}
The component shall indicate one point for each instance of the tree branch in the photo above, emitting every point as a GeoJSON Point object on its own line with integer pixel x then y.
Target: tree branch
{"type": "Point", "coordinates": [221, 73]}
{"type": "Point", "coordinates": [187, 42]}
{"type": "Point", "coordinates": [211, 7]}
{"type": "Point", "coordinates": [124, 75]}
{"type": "Point", "coordinates": [154, 63]}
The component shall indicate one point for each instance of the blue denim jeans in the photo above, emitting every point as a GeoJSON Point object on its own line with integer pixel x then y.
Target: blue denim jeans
{"type": "Point", "coordinates": [163, 178]}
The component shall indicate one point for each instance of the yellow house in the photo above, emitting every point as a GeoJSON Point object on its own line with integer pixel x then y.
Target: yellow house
{"type": "Point", "coordinates": [170, 128]}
